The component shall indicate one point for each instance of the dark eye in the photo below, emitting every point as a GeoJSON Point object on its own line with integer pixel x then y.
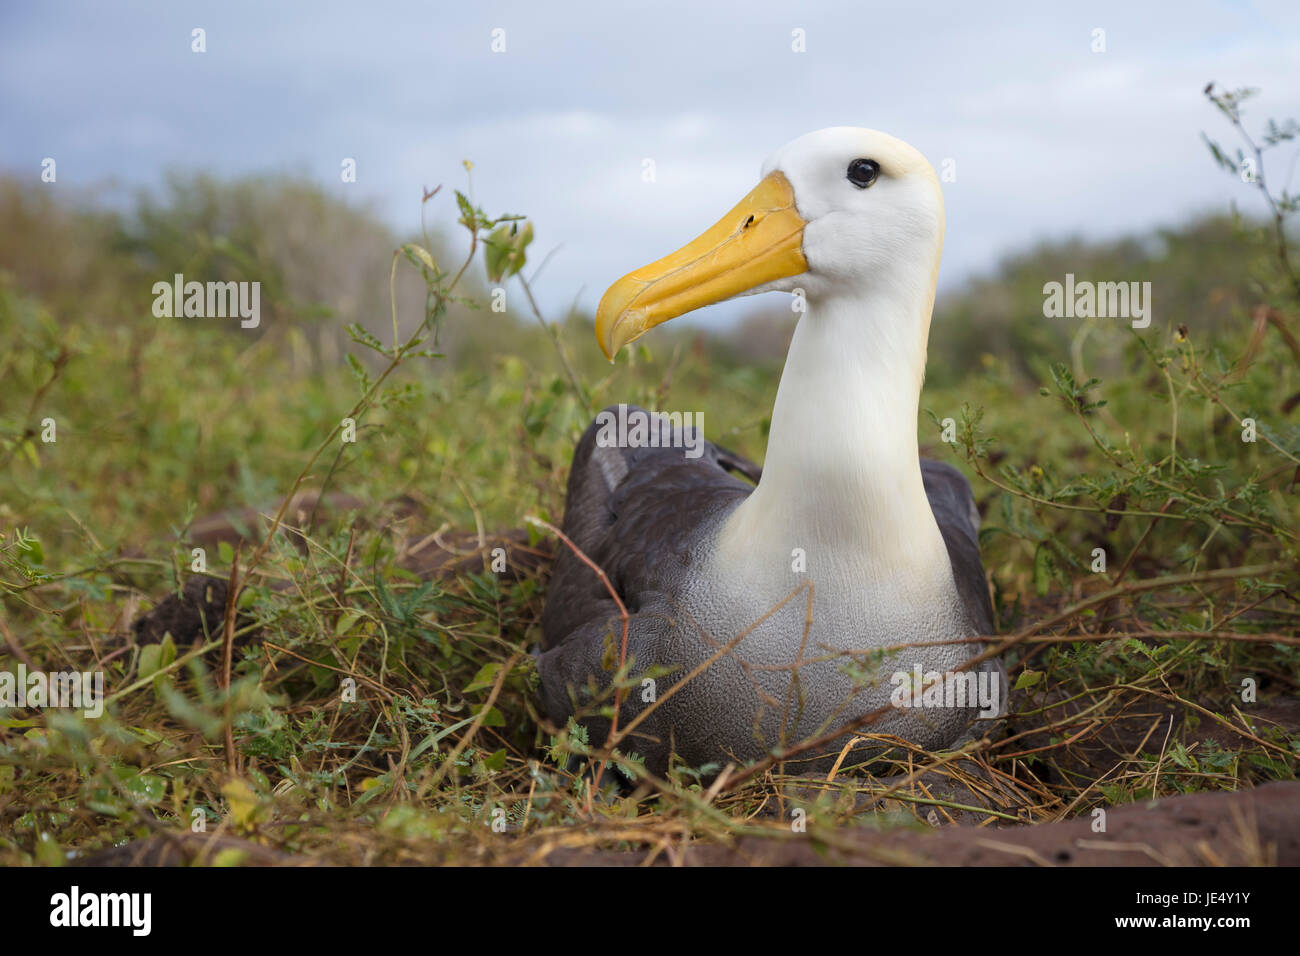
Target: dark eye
{"type": "Point", "coordinates": [863, 172]}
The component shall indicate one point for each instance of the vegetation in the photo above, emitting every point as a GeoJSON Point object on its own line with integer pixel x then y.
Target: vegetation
{"type": "Point", "coordinates": [1172, 451]}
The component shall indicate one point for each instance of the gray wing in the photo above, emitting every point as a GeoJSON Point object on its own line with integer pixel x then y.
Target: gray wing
{"type": "Point", "coordinates": [953, 505]}
{"type": "Point", "coordinates": [635, 512]}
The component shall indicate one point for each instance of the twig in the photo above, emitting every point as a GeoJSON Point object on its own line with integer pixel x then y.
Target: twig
{"type": "Point", "coordinates": [461, 744]}
{"type": "Point", "coordinates": [610, 738]}
{"type": "Point", "coordinates": [550, 329]}
{"type": "Point", "coordinates": [15, 647]}
{"type": "Point", "coordinates": [227, 654]}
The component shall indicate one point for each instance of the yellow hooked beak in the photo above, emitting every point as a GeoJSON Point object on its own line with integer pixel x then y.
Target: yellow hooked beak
{"type": "Point", "coordinates": [759, 241]}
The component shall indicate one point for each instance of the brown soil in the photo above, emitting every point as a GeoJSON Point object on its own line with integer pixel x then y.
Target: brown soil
{"type": "Point", "coordinates": [1253, 827]}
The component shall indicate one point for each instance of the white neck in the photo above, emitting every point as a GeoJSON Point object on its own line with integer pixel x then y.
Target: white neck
{"type": "Point", "coordinates": [842, 478]}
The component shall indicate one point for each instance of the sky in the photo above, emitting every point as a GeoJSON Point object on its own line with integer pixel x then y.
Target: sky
{"type": "Point", "coordinates": [1047, 136]}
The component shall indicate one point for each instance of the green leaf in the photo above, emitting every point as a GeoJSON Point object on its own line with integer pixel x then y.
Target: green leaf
{"type": "Point", "coordinates": [359, 373]}
{"type": "Point", "coordinates": [346, 621]}
{"type": "Point", "coordinates": [496, 248]}
{"type": "Point", "coordinates": [244, 803]}
{"type": "Point", "coordinates": [35, 554]}
{"type": "Point", "coordinates": [149, 659]}
{"type": "Point", "coordinates": [48, 851]}
{"type": "Point", "coordinates": [466, 208]}
{"type": "Point", "coordinates": [504, 250]}
{"type": "Point", "coordinates": [166, 651]}
{"type": "Point", "coordinates": [1028, 679]}
{"type": "Point", "coordinates": [230, 856]}
{"type": "Point", "coordinates": [143, 787]}
{"type": "Point", "coordinates": [421, 253]}
{"type": "Point", "coordinates": [225, 552]}
{"type": "Point", "coordinates": [486, 677]}
{"type": "Point", "coordinates": [1043, 569]}
{"type": "Point", "coordinates": [187, 712]}
{"type": "Point", "coordinates": [364, 337]}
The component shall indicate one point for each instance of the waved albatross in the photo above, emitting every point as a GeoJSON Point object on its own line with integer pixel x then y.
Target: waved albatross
{"type": "Point", "coordinates": [852, 220]}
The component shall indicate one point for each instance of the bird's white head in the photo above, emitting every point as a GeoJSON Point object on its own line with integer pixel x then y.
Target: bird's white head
{"type": "Point", "coordinates": [838, 211]}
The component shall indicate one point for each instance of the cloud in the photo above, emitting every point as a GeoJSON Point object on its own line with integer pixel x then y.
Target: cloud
{"type": "Point", "coordinates": [1048, 137]}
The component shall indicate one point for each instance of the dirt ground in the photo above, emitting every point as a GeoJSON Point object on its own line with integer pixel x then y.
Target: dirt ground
{"type": "Point", "coordinates": [1260, 826]}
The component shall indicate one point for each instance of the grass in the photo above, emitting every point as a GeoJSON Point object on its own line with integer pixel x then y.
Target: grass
{"type": "Point", "coordinates": [1155, 674]}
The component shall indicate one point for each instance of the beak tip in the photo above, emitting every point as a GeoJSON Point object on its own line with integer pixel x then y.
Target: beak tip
{"type": "Point", "coordinates": [607, 346]}
{"type": "Point", "coordinates": [612, 333]}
